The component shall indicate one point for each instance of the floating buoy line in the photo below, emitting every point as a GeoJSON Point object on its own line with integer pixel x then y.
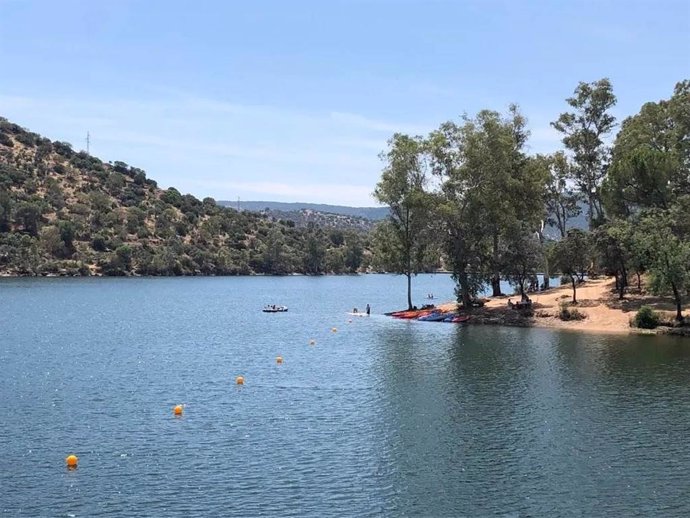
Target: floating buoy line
{"type": "Point", "coordinates": [72, 461]}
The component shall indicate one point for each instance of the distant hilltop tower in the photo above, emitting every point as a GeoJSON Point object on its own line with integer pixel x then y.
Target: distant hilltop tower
{"type": "Point", "coordinates": [88, 143]}
{"type": "Point", "coordinates": [238, 204]}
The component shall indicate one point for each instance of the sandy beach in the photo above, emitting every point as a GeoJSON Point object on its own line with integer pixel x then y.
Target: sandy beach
{"type": "Point", "coordinates": [597, 300]}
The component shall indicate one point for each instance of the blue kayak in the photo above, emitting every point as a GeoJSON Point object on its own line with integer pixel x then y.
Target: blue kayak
{"type": "Point", "coordinates": [433, 317]}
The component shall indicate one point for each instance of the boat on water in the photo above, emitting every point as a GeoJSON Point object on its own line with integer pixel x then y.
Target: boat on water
{"type": "Point", "coordinates": [272, 308]}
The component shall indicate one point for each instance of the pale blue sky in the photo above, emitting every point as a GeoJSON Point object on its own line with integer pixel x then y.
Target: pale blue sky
{"type": "Point", "coordinates": [293, 100]}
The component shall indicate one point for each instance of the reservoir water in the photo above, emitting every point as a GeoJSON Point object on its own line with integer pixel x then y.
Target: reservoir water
{"type": "Point", "coordinates": [381, 418]}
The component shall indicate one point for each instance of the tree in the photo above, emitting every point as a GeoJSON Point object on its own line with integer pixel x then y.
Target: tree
{"type": "Point", "coordinates": [335, 260]}
{"type": "Point", "coordinates": [670, 264]}
{"type": "Point", "coordinates": [123, 254]}
{"type": "Point", "coordinates": [561, 201]}
{"type": "Point", "coordinates": [274, 259]}
{"type": "Point", "coordinates": [354, 253]}
{"type": "Point", "coordinates": [458, 208]}
{"type": "Point", "coordinates": [115, 183]}
{"type": "Point", "coordinates": [172, 196]}
{"type": "Point", "coordinates": [54, 195]}
{"type": "Point", "coordinates": [492, 147]}
{"type": "Point", "coordinates": [402, 188]}
{"type": "Point", "coordinates": [583, 133]}
{"type": "Point", "coordinates": [5, 211]}
{"type": "Point", "coordinates": [650, 164]}
{"type": "Point", "coordinates": [571, 256]}
{"type": "Point", "coordinates": [67, 234]}
{"type": "Point", "coordinates": [523, 256]}
{"type": "Point", "coordinates": [51, 242]}
{"type": "Point", "coordinates": [28, 215]}
{"type": "Point", "coordinates": [612, 242]}
{"type": "Point", "coordinates": [315, 254]}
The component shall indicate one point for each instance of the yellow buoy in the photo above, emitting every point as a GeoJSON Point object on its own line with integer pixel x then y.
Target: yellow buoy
{"type": "Point", "coordinates": [279, 360]}
{"type": "Point", "coordinates": [312, 342]}
{"type": "Point", "coordinates": [72, 461]}
{"type": "Point", "coordinates": [335, 330]}
{"type": "Point", "coordinates": [178, 410]}
{"type": "Point", "coordinates": [239, 380]}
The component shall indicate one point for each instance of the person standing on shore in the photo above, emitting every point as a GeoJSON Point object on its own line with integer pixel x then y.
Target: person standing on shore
{"type": "Point", "coordinates": [368, 309]}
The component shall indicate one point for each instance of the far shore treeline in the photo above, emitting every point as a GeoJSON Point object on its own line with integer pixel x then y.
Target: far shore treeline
{"type": "Point", "coordinates": [467, 198]}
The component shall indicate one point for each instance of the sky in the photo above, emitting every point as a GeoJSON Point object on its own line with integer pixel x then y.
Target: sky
{"type": "Point", "coordinates": [294, 100]}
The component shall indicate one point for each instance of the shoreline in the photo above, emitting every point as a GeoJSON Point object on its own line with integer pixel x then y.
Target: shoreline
{"type": "Point", "coordinates": [597, 300]}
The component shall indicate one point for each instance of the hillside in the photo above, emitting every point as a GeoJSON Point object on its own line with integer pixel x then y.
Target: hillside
{"type": "Point", "coordinates": [370, 213]}
{"type": "Point", "coordinates": [68, 213]}
{"type": "Point", "coordinates": [360, 218]}
{"type": "Point", "coordinates": [305, 218]}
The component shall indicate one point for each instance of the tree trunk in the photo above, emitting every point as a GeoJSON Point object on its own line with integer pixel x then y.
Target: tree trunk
{"type": "Point", "coordinates": [409, 290]}
{"type": "Point", "coordinates": [496, 278]}
{"type": "Point", "coordinates": [572, 279]}
{"type": "Point", "coordinates": [496, 285]}
{"type": "Point", "coordinates": [464, 291]}
{"type": "Point", "coordinates": [639, 282]}
{"type": "Point", "coordinates": [590, 212]}
{"type": "Point", "coordinates": [678, 299]}
{"type": "Point", "coordinates": [621, 286]}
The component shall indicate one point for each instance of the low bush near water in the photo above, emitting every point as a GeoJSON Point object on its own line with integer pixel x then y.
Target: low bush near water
{"type": "Point", "coordinates": [568, 313]}
{"type": "Point", "coordinates": [646, 318]}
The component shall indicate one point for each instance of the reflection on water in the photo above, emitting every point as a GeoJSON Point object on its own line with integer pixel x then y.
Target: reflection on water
{"type": "Point", "coordinates": [383, 417]}
{"type": "Point", "coordinates": [535, 422]}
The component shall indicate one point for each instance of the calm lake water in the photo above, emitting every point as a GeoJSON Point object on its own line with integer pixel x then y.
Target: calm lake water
{"type": "Point", "coordinates": [381, 418]}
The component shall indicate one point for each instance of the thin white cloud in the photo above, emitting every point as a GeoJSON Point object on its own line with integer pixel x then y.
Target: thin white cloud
{"type": "Point", "coordinates": [361, 121]}
{"type": "Point", "coordinates": [181, 139]}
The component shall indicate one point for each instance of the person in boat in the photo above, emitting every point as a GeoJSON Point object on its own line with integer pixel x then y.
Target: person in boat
{"type": "Point", "coordinates": [354, 310]}
{"type": "Point", "coordinates": [368, 309]}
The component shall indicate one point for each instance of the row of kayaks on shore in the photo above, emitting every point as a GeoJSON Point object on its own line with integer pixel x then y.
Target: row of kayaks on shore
{"type": "Point", "coordinates": [430, 315]}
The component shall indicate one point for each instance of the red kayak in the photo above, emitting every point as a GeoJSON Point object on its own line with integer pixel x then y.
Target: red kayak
{"type": "Point", "coordinates": [410, 314]}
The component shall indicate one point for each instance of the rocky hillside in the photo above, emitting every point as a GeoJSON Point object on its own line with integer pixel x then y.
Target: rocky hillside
{"type": "Point", "coordinates": [68, 213]}
{"type": "Point", "coordinates": [306, 217]}
{"type": "Point", "coordinates": [370, 213]}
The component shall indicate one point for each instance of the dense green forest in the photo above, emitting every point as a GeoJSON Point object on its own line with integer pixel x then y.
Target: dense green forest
{"type": "Point", "coordinates": [68, 213]}
{"type": "Point", "coordinates": [471, 190]}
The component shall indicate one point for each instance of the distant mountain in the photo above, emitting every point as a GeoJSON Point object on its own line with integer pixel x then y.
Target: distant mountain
{"type": "Point", "coordinates": [371, 213]}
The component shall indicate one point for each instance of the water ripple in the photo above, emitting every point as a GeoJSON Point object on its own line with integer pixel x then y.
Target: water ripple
{"type": "Point", "coordinates": [380, 418]}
